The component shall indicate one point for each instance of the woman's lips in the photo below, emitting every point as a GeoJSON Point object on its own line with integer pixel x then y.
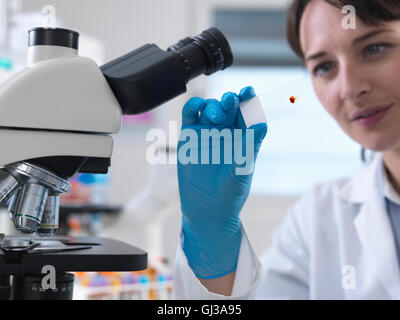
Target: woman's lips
{"type": "Point", "coordinates": [371, 116]}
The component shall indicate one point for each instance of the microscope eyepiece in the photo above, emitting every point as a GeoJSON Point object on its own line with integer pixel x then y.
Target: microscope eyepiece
{"type": "Point", "coordinates": [148, 77]}
{"type": "Point", "coordinates": [206, 53]}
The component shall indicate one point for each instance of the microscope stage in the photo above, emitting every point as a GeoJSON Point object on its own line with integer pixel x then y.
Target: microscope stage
{"type": "Point", "coordinates": [65, 255]}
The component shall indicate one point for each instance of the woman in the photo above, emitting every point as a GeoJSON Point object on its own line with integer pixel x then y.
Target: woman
{"type": "Point", "coordinates": [341, 239]}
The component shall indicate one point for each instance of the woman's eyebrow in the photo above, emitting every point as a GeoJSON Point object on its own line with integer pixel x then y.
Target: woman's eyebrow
{"type": "Point", "coordinates": [370, 35]}
{"type": "Point", "coordinates": [316, 56]}
{"type": "Point", "coordinates": [355, 41]}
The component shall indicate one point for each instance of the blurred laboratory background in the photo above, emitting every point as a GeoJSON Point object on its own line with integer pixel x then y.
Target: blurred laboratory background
{"type": "Point", "coordinates": [138, 202]}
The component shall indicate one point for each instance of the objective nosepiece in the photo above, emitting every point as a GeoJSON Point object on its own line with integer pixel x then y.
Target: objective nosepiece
{"type": "Point", "coordinates": [29, 207]}
{"type": "Point", "coordinates": [49, 224]}
{"type": "Point", "coordinates": [8, 183]}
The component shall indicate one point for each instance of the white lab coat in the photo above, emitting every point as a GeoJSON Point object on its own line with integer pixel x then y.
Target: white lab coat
{"type": "Point", "coordinates": [336, 242]}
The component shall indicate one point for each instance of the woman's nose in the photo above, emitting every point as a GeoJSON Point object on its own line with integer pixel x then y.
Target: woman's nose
{"type": "Point", "coordinates": [354, 85]}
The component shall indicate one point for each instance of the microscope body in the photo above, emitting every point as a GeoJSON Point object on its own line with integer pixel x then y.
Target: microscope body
{"type": "Point", "coordinates": [56, 119]}
{"type": "Point", "coordinates": [58, 114]}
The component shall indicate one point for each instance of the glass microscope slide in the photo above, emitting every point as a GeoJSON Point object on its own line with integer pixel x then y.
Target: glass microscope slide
{"type": "Point", "coordinates": [280, 102]}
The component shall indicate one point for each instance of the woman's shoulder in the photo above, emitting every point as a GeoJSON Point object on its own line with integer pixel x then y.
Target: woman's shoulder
{"type": "Point", "coordinates": [326, 203]}
{"type": "Point", "coordinates": [328, 189]}
{"type": "Point", "coordinates": [320, 211]}
{"type": "Point", "coordinates": [323, 193]}
{"type": "Point", "coordinates": [346, 189]}
{"type": "Point", "coordinates": [317, 212]}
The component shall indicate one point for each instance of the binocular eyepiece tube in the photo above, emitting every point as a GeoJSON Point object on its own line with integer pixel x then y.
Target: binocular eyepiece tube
{"type": "Point", "coordinates": [149, 76]}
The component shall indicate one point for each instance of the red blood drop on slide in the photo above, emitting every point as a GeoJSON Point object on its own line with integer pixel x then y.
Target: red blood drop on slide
{"type": "Point", "coordinates": [292, 99]}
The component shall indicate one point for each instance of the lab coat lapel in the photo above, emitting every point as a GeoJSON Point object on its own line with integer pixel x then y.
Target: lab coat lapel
{"type": "Point", "coordinates": [375, 232]}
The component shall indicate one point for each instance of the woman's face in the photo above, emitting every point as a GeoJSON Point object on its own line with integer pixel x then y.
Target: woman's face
{"type": "Point", "coordinates": [356, 74]}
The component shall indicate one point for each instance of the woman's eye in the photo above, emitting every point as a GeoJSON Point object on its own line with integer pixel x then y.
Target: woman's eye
{"type": "Point", "coordinates": [375, 49]}
{"type": "Point", "coordinates": [323, 68]}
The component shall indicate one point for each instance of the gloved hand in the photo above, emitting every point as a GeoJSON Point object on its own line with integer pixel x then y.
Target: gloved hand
{"type": "Point", "coordinates": [212, 195]}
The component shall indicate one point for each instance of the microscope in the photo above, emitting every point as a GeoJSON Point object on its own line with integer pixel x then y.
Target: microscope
{"type": "Point", "coordinates": [56, 120]}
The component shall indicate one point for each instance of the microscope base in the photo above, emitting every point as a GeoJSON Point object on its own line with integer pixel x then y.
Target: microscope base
{"type": "Point", "coordinates": [30, 288]}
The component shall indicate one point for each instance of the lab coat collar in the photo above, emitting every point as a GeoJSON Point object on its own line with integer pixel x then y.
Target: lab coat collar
{"type": "Point", "coordinates": [389, 190]}
{"type": "Point", "coordinates": [373, 225]}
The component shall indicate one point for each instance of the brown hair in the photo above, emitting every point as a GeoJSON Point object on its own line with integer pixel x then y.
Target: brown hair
{"type": "Point", "coordinates": [371, 12]}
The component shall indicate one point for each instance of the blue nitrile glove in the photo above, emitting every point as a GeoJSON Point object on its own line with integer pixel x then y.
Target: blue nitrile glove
{"type": "Point", "coordinates": [212, 195]}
